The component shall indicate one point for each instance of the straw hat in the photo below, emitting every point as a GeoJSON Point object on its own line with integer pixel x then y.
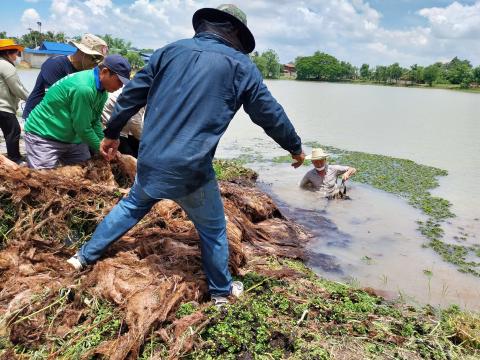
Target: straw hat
{"type": "Point", "coordinates": [317, 154]}
{"type": "Point", "coordinates": [9, 44]}
{"type": "Point", "coordinates": [91, 45]}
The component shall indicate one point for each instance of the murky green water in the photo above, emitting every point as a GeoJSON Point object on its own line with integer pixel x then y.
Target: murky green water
{"type": "Point", "coordinates": [372, 240]}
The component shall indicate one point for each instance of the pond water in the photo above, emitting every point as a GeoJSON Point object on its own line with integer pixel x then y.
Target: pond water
{"type": "Point", "coordinates": [372, 240]}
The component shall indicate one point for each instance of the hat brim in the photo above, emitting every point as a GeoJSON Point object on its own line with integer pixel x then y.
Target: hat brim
{"type": "Point", "coordinates": [211, 14]}
{"type": "Point", "coordinates": [12, 47]}
{"type": "Point", "coordinates": [86, 50]}
{"type": "Point", "coordinates": [309, 157]}
{"type": "Point", "coordinates": [123, 79]}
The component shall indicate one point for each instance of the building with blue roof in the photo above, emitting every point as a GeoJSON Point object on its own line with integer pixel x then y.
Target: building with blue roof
{"type": "Point", "coordinates": [36, 57]}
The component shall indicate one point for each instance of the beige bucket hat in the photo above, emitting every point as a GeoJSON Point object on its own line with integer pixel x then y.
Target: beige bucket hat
{"type": "Point", "coordinates": [317, 154]}
{"type": "Point", "coordinates": [92, 45]}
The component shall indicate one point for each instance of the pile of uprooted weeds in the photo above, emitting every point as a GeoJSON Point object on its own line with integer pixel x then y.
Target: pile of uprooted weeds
{"type": "Point", "coordinates": [49, 311]}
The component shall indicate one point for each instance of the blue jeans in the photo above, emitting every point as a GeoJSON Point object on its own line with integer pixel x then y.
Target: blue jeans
{"type": "Point", "coordinates": [204, 207]}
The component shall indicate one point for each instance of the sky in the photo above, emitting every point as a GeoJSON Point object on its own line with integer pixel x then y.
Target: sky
{"type": "Point", "coordinates": [376, 32]}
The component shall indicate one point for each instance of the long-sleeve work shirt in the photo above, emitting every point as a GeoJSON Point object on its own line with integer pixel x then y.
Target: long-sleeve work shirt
{"type": "Point", "coordinates": [193, 88]}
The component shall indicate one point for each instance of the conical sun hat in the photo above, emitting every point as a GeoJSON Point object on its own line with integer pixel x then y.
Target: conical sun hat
{"type": "Point", "coordinates": [317, 154]}
{"type": "Point", "coordinates": [9, 44]}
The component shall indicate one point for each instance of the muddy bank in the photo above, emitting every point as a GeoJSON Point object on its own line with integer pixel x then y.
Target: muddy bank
{"type": "Point", "coordinates": [136, 289]}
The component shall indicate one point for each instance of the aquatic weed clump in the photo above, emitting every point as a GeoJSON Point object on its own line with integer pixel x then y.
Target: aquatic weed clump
{"type": "Point", "coordinates": [412, 182]}
{"type": "Point", "coordinates": [288, 312]}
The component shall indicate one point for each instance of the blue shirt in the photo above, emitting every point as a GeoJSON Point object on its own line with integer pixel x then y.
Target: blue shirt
{"type": "Point", "coordinates": [54, 69]}
{"type": "Point", "coordinates": [192, 89]}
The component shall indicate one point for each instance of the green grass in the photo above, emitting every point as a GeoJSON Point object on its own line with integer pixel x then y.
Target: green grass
{"type": "Point", "coordinates": [313, 318]}
{"type": "Point", "coordinates": [100, 322]}
{"type": "Point", "coordinates": [230, 170]}
{"type": "Point", "coordinates": [8, 215]}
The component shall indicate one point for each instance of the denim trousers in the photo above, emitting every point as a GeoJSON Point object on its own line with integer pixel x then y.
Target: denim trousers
{"type": "Point", "coordinates": [204, 207]}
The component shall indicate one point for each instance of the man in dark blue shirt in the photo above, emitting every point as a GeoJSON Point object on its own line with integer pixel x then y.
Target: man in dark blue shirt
{"type": "Point", "coordinates": [91, 50]}
{"type": "Point", "coordinates": [192, 89]}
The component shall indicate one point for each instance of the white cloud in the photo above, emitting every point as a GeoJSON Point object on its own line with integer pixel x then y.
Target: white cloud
{"type": "Point", "coordinates": [454, 21]}
{"type": "Point", "coordinates": [351, 30]}
{"type": "Point", "coordinates": [98, 7]}
{"type": "Point", "coordinates": [30, 17]}
{"type": "Point", "coordinates": [68, 16]}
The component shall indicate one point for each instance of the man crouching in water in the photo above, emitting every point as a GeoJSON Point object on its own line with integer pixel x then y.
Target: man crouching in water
{"type": "Point", "coordinates": [323, 177]}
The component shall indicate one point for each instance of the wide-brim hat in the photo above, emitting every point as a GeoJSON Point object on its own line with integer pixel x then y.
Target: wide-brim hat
{"type": "Point", "coordinates": [317, 154]}
{"type": "Point", "coordinates": [230, 13]}
{"type": "Point", "coordinates": [9, 44]}
{"type": "Point", "coordinates": [91, 45]}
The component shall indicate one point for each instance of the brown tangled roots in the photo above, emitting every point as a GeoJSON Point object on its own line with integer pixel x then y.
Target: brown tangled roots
{"type": "Point", "coordinates": [147, 274]}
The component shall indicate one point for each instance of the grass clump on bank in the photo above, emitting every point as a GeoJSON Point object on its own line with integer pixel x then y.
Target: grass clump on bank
{"type": "Point", "coordinates": [412, 182]}
{"type": "Point", "coordinates": [233, 170]}
{"type": "Point", "coordinates": [100, 322]}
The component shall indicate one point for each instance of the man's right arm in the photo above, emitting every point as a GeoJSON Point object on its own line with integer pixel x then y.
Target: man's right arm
{"type": "Point", "coordinates": [266, 112]}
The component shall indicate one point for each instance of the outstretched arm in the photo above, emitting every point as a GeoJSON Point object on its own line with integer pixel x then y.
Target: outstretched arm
{"type": "Point", "coordinates": [266, 112]}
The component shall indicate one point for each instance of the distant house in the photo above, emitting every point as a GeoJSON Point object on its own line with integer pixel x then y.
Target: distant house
{"type": "Point", "coordinates": [289, 69]}
{"type": "Point", "coordinates": [36, 57]}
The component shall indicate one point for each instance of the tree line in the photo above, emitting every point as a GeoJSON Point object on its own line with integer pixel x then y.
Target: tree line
{"type": "Point", "coordinates": [120, 46]}
{"type": "Point", "coordinates": [324, 67]}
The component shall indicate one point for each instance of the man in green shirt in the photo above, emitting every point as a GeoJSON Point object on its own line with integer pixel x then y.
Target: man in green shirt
{"type": "Point", "coordinates": [67, 122]}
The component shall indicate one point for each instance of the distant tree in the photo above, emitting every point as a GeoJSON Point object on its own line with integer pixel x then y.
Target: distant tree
{"type": "Point", "coordinates": [459, 71]}
{"type": "Point", "coordinates": [365, 72]}
{"type": "Point", "coordinates": [260, 62]}
{"type": "Point", "coordinates": [347, 71]}
{"type": "Point", "coordinates": [476, 75]}
{"type": "Point", "coordinates": [327, 67]}
{"type": "Point", "coordinates": [116, 45]}
{"type": "Point", "coordinates": [394, 72]}
{"type": "Point", "coordinates": [305, 68]}
{"type": "Point", "coordinates": [268, 63]}
{"type": "Point", "coordinates": [135, 59]}
{"type": "Point", "coordinates": [272, 62]}
{"type": "Point", "coordinates": [3, 34]}
{"type": "Point", "coordinates": [416, 74]}
{"type": "Point", "coordinates": [35, 38]}
{"type": "Point", "coordinates": [381, 74]}
{"type": "Point", "coordinates": [431, 74]}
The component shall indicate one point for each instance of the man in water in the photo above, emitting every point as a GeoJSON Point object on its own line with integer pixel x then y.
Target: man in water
{"type": "Point", "coordinates": [66, 124]}
{"type": "Point", "coordinates": [90, 52]}
{"type": "Point", "coordinates": [193, 88]}
{"type": "Point", "coordinates": [323, 177]}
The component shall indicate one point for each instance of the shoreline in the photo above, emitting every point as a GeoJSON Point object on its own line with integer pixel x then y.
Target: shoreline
{"type": "Point", "coordinates": [373, 83]}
